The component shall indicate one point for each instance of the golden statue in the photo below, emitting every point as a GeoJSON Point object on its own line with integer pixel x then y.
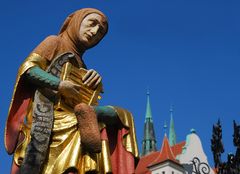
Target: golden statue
{"type": "Point", "coordinates": [54, 125]}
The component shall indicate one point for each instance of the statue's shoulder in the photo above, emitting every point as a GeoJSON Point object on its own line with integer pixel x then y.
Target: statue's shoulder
{"type": "Point", "coordinates": [48, 46]}
{"type": "Point", "coordinates": [52, 39]}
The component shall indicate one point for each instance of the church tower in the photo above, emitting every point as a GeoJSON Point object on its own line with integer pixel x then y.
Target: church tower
{"type": "Point", "coordinates": [172, 134]}
{"type": "Point", "coordinates": [149, 141]}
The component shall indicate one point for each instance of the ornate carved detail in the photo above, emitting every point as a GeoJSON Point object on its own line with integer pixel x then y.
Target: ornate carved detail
{"type": "Point", "coordinates": [200, 167]}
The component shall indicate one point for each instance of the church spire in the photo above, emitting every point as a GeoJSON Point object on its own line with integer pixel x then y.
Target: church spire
{"type": "Point", "coordinates": [148, 116]}
{"type": "Point", "coordinates": [172, 134]}
{"type": "Point", "coordinates": [149, 141]}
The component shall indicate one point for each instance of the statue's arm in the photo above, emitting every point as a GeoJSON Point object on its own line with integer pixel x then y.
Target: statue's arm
{"type": "Point", "coordinates": [41, 78]}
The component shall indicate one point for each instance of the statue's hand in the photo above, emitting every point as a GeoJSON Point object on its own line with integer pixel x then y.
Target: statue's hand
{"type": "Point", "coordinates": [92, 79]}
{"type": "Point", "coordinates": [69, 90]}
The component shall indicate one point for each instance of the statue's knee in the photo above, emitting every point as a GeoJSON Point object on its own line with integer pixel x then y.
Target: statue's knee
{"type": "Point", "coordinates": [105, 111]}
{"type": "Point", "coordinates": [106, 114]}
{"type": "Point", "coordinates": [82, 108]}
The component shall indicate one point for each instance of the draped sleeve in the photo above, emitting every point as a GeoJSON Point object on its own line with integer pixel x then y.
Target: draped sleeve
{"type": "Point", "coordinates": [23, 92]}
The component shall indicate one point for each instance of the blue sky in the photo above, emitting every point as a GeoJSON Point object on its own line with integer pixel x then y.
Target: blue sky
{"type": "Point", "coordinates": [186, 52]}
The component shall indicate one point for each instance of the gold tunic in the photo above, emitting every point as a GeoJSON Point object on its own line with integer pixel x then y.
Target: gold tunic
{"type": "Point", "coordinates": [65, 149]}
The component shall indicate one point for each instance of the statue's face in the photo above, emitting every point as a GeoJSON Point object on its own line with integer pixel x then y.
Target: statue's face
{"type": "Point", "coordinates": [92, 29]}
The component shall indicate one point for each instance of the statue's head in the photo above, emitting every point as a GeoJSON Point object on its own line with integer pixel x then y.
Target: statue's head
{"type": "Point", "coordinates": [85, 27]}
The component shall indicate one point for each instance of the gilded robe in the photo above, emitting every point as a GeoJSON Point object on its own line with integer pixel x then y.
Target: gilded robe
{"type": "Point", "coordinates": [119, 146]}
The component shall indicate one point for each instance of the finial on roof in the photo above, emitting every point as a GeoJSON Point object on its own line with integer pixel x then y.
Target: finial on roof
{"type": "Point", "coordinates": [171, 109]}
{"type": "Point", "coordinates": [148, 92]}
{"type": "Point", "coordinates": [165, 128]}
{"type": "Point", "coordinates": [193, 131]}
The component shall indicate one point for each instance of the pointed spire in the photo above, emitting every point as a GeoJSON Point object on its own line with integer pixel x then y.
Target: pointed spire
{"type": "Point", "coordinates": [172, 134]}
{"type": "Point", "coordinates": [148, 115]}
{"type": "Point", "coordinates": [149, 141]}
{"type": "Point", "coordinates": [166, 152]}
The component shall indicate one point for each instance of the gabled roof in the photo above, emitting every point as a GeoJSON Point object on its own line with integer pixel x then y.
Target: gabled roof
{"type": "Point", "coordinates": [177, 149]}
{"type": "Point", "coordinates": [166, 153]}
{"type": "Point", "coordinates": [145, 161]}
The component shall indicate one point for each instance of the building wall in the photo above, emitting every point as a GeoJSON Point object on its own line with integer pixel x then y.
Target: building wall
{"type": "Point", "coordinates": [193, 148]}
{"type": "Point", "coordinates": [167, 168]}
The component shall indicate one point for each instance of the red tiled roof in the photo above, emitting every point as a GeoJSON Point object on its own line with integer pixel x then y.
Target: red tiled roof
{"type": "Point", "coordinates": [165, 153]}
{"type": "Point", "coordinates": [177, 149]}
{"type": "Point", "coordinates": [145, 161]}
{"type": "Point", "coordinates": [149, 159]}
